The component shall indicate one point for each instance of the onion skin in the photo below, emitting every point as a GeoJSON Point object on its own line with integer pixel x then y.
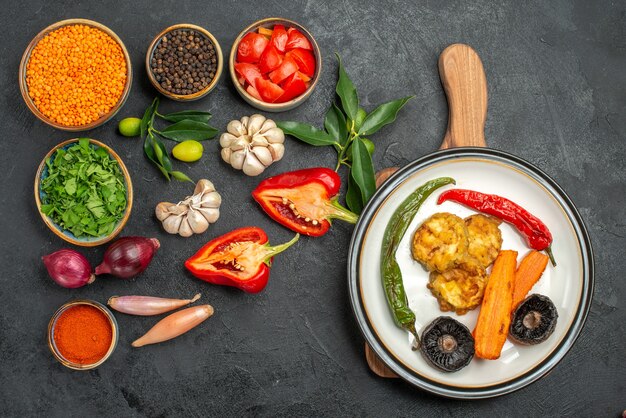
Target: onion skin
{"type": "Point", "coordinates": [69, 268]}
{"type": "Point", "coordinates": [128, 256]}
{"type": "Point", "coordinates": [175, 324]}
{"type": "Point", "coordinates": [147, 305]}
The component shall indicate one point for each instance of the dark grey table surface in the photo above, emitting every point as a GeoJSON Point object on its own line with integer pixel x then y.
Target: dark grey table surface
{"type": "Point", "coordinates": [557, 97]}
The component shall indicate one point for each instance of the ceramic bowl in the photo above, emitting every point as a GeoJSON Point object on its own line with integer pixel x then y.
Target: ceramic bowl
{"type": "Point", "coordinates": [275, 107]}
{"type": "Point", "coordinates": [185, 97]}
{"type": "Point", "coordinates": [51, 328]}
{"type": "Point", "coordinates": [42, 173]}
{"type": "Point", "coordinates": [24, 87]}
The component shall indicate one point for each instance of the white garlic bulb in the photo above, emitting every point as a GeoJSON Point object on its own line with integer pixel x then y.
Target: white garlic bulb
{"type": "Point", "coordinates": [252, 144]}
{"type": "Point", "coordinates": [192, 215]}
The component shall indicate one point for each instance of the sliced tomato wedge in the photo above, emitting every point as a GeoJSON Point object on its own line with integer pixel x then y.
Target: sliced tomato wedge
{"type": "Point", "coordinates": [270, 59]}
{"type": "Point", "coordinates": [305, 60]}
{"type": "Point", "coordinates": [286, 68]}
{"type": "Point", "coordinates": [250, 72]}
{"type": "Point", "coordinates": [279, 38]}
{"type": "Point", "coordinates": [293, 86]}
{"type": "Point", "coordinates": [268, 91]}
{"type": "Point", "coordinates": [295, 39]}
{"type": "Point", "coordinates": [253, 92]}
{"type": "Point", "coordinates": [251, 47]}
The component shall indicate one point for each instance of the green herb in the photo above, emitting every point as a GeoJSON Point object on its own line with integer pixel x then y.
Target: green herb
{"type": "Point", "coordinates": [345, 127]}
{"type": "Point", "coordinates": [186, 125]}
{"type": "Point", "coordinates": [84, 191]}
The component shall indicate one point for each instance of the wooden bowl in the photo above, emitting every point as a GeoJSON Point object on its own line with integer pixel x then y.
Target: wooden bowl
{"type": "Point", "coordinates": [42, 173]}
{"type": "Point", "coordinates": [199, 94]}
{"type": "Point", "coordinates": [275, 107]}
{"type": "Point", "coordinates": [24, 87]}
{"type": "Point", "coordinates": [52, 324]}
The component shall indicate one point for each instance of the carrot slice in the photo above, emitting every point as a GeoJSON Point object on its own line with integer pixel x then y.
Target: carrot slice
{"type": "Point", "coordinates": [495, 312]}
{"type": "Point", "coordinates": [528, 273]}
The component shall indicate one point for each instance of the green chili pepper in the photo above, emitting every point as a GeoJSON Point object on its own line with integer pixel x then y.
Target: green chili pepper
{"type": "Point", "coordinates": [389, 268]}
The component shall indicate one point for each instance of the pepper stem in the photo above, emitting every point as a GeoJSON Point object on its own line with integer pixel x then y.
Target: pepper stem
{"type": "Point", "coordinates": [416, 344]}
{"type": "Point", "coordinates": [343, 213]}
{"type": "Point", "coordinates": [549, 252]}
{"type": "Point", "coordinates": [272, 251]}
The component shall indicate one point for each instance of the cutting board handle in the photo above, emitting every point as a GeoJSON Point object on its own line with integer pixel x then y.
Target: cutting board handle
{"type": "Point", "coordinates": [463, 79]}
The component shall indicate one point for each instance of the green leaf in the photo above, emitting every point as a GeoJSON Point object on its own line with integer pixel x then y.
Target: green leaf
{"type": "Point", "coordinates": [335, 124]}
{"type": "Point", "coordinates": [70, 186]}
{"type": "Point", "coordinates": [194, 115]}
{"type": "Point", "coordinates": [188, 129]}
{"type": "Point", "coordinates": [363, 170]}
{"type": "Point", "coordinates": [347, 92]}
{"type": "Point", "coordinates": [382, 115]}
{"type": "Point", "coordinates": [361, 114]}
{"type": "Point", "coordinates": [148, 117]}
{"type": "Point", "coordinates": [307, 133]}
{"type": "Point", "coordinates": [353, 197]}
{"type": "Point", "coordinates": [180, 176]}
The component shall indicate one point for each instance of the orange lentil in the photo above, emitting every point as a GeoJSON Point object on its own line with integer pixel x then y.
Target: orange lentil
{"type": "Point", "coordinates": [76, 74]}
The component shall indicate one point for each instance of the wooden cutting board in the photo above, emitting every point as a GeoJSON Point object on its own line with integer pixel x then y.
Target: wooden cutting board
{"type": "Point", "coordinates": [463, 79]}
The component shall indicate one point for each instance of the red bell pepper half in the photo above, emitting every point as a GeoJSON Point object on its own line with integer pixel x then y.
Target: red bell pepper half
{"type": "Point", "coordinates": [240, 258]}
{"type": "Point", "coordinates": [304, 201]}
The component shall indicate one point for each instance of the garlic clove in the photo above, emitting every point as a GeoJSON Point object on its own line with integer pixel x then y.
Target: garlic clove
{"type": "Point", "coordinates": [203, 186]}
{"type": "Point", "coordinates": [264, 155]}
{"type": "Point", "coordinates": [277, 151]}
{"type": "Point", "coordinates": [241, 143]}
{"type": "Point", "coordinates": [172, 224]}
{"type": "Point", "coordinates": [161, 211]}
{"type": "Point", "coordinates": [259, 140]}
{"type": "Point", "coordinates": [226, 139]}
{"type": "Point", "coordinates": [210, 214]}
{"type": "Point", "coordinates": [197, 222]}
{"type": "Point", "coordinates": [226, 152]}
{"type": "Point", "coordinates": [252, 166]}
{"type": "Point", "coordinates": [268, 124]}
{"type": "Point", "coordinates": [178, 209]}
{"type": "Point", "coordinates": [255, 123]}
{"type": "Point", "coordinates": [237, 158]}
{"type": "Point", "coordinates": [236, 128]}
{"type": "Point", "coordinates": [275, 135]}
{"type": "Point", "coordinates": [244, 122]}
{"type": "Point", "coordinates": [211, 200]}
{"type": "Point", "coordinates": [185, 229]}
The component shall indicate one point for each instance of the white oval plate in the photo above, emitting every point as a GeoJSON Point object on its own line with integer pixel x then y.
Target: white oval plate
{"type": "Point", "coordinates": [569, 285]}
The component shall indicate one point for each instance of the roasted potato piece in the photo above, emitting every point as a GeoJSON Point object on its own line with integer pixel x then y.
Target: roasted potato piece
{"type": "Point", "coordinates": [485, 238]}
{"type": "Point", "coordinates": [441, 242]}
{"type": "Point", "coordinates": [459, 289]}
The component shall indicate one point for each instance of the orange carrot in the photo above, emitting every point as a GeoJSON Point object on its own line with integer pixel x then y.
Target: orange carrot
{"type": "Point", "coordinates": [495, 312]}
{"type": "Point", "coordinates": [528, 273]}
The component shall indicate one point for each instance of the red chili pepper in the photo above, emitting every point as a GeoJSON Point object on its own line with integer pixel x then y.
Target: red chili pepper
{"type": "Point", "coordinates": [304, 200]}
{"type": "Point", "coordinates": [537, 234]}
{"type": "Point", "coordinates": [240, 258]}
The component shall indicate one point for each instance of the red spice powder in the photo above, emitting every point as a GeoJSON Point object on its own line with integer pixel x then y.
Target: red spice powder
{"type": "Point", "coordinates": [83, 334]}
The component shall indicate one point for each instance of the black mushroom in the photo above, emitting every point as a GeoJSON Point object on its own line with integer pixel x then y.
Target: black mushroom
{"type": "Point", "coordinates": [447, 344]}
{"type": "Point", "coordinates": [534, 320]}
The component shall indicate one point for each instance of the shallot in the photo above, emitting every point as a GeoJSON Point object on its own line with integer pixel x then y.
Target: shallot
{"type": "Point", "coordinates": [147, 305]}
{"type": "Point", "coordinates": [128, 256]}
{"type": "Point", "coordinates": [68, 268]}
{"type": "Point", "coordinates": [175, 324]}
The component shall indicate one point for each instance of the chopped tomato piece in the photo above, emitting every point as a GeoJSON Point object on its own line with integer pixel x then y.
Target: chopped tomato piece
{"type": "Point", "coordinates": [304, 77]}
{"type": "Point", "coordinates": [268, 91]}
{"type": "Point", "coordinates": [295, 39]}
{"type": "Point", "coordinates": [249, 72]}
{"type": "Point", "coordinates": [270, 59]}
{"type": "Point", "coordinates": [305, 60]}
{"type": "Point", "coordinates": [251, 47]}
{"type": "Point", "coordinates": [254, 92]}
{"type": "Point", "coordinates": [265, 32]}
{"type": "Point", "coordinates": [285, 69]}
{"type": "Point", "coordinates": [293, 86]}
{"type": "Point", "coordinates": [279, 38]}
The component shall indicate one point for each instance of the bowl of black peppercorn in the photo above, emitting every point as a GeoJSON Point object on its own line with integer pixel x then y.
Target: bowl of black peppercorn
{"type": "Point", "coordinates": [184, 62]}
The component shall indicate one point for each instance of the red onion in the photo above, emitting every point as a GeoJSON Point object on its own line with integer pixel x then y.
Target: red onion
{"type": "Point", "coordinates": [69, 268]}
{"type": "Point", "coordinates": [128, 256]}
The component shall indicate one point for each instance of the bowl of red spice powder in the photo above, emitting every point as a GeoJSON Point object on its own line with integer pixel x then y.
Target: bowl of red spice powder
{"type": "Point", "coordinates": [82, 334]}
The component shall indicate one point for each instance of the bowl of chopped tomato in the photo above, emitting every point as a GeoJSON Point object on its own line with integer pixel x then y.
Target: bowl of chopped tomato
{"type": "Point", "coordinates": [275, 64]}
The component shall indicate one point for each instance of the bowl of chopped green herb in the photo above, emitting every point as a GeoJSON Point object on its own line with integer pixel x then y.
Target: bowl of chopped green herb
{"type": "Point", "coordinates": [83, 192]}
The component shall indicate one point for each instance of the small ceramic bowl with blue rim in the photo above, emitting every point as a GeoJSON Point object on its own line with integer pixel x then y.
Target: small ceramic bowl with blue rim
{"type": "Point", "coordinates": [40, 197]}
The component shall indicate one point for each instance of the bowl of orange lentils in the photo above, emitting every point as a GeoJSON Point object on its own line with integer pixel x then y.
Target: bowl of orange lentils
{"type": "Point", "coordinates": [75, 74]}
